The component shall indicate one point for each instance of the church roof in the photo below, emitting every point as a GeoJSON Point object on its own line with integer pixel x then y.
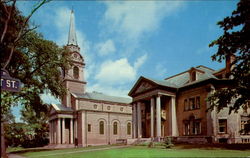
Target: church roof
{"type": "Point", "coordinates": [103, 97]}
{"type": "Point", "coordinates": [59, 107]}
{"type": "Point", "coordinates": [72, 32]}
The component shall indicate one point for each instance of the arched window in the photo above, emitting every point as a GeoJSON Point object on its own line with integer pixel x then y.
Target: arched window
{"type": "Point", "coordinates": [101, 127]}
{"type": "Point", "coordinates": [76, 72]}
{"type": "Point", "coordinates": [129, 128]}
{"type": "Point", "coordinates": [115, 128]}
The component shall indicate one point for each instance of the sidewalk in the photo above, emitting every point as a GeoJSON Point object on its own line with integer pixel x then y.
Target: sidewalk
{"type": "Point", "coordinates": [14, 156]}
{"type": "Point", "coordinates": [70, 152]}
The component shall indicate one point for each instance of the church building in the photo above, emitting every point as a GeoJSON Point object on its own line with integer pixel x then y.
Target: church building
{"type": "Point", "coordinates": [85, 118]}
{"type": "Point", "coordinates": [177, 107]}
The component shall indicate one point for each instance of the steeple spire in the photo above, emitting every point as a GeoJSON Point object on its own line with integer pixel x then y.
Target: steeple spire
{"type": "Point", "coordinates": [72, 33]}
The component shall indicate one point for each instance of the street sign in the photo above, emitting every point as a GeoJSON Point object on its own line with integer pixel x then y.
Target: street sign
{"type": "Point", "coordinates": [8, 83]}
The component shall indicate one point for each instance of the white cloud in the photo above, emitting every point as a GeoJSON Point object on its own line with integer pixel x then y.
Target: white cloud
{"type": "Point", "coordinates": [135, 18]}
{"type": "Point", "coordinates": [119, 71]}
{"type": "Point", "coordinates": [109, 90]}
{"type": "Point", "coordinates": [106, 47]}
{"type": "Point", "coordinates": [141, 60]}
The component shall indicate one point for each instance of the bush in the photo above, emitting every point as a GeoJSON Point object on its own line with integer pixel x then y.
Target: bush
{"type": "Point", "coordinates": [168, 142]}
{"type": "Point", "coordinates": [151, 145]}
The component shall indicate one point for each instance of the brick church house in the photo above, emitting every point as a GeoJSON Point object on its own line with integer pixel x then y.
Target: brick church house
{"type": "Point", "coordinates": [85, 118]}
{"type": "Point", "coordinates": [176, 106]}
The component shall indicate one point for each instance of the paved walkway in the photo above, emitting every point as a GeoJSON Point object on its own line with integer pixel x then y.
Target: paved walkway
{"type": "Point", "coordinates": [70, 152]}
{"type": "Point", "coordinates": [14, 156]}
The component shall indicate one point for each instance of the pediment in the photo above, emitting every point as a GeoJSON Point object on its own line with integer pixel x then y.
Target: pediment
{"type": "Point", "coordinates": [143, 86]}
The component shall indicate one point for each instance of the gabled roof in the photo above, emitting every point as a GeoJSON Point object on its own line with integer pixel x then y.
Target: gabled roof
{"type": "Point", "coordinates": [59, 107]}
{"type": "Point", "coordinates": [153, 82]}
{"type": "Point", "coordinates": [102, 97]}
{"type": "Point", "coordinates": [180, 80]}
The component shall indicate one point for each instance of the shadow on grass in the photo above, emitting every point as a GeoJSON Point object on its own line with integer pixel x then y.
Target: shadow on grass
{"type": "Point", "coordinates": [24, 150]}
{"type": "Point", "coordinates": [213, 146]}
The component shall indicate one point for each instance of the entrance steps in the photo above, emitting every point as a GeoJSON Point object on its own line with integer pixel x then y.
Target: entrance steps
{"type": "Point", "coordinates": [138, 141]}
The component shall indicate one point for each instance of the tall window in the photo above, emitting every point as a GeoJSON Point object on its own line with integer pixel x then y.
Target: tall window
{"type": "Point", "coordinates": [245, 125]}
{"type": "Point", "coordinates": [186, 126]}
{"type": "Point", "coordinates": [76, 72]}
{"type": "Point", "coordinates": [198, 103]}
{"type": "Point", "coordinates": [129, 128]}
{"type": "Point", "coordinates": [115, 128]}
{"type": "Point", "coordinates": [197, 126]}
{"type": "Point", "coordinates": [101, 127]}
{"type": "Point", "coordinates": [89, 127]}
{"type": "Point", "coordinates": [186, 105]}
{"type": "Point", "coordinates": [222, 125]}
{"type": "Point", "coordinates": [191, 103]}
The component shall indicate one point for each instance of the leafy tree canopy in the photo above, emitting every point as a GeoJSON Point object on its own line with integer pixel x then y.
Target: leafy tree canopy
{"type": "Point", "coordinates": [36, 61]}
{"type": "Point", "coordinates": [235, 41]}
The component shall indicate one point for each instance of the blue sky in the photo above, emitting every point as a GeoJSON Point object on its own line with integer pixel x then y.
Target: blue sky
{"type": "Point", "coordinates": [123, 40]}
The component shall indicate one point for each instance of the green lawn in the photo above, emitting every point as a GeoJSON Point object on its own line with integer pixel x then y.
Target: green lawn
{"type": "Point", "coordinates": [137, 152]}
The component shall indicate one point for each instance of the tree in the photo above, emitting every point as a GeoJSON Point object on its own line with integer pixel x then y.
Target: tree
{"type": "Point", "coordinates": [27, 56]}
{"type": "Point", "coordinates": [235, 41]}
{"type": "Point", "coordinates": [36, 62]}
{"type": "Point", "coordinates": [37, 126]}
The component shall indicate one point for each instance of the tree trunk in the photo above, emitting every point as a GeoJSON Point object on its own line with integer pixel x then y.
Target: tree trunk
{"type": "Point", "coordinates": [3, 149]}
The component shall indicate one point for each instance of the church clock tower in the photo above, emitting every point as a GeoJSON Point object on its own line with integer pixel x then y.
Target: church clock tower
{"type": "Point", "coordinates": [73, 78]}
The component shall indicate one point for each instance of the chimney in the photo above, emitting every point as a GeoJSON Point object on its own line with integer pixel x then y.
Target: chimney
{"type": "Point", "coordinates": [229, 60]}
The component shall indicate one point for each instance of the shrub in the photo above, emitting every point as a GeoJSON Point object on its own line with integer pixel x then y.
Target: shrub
{"type": "Point", "coordinates": [168, 142]}
{"type": "Point", "coordinates": [151, 145]}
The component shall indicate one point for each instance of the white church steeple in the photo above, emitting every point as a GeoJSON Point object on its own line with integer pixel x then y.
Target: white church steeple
{"type": "Point", "coordinates": [72, 32]}
{"type": "Point", "coordinates": [74, 80]}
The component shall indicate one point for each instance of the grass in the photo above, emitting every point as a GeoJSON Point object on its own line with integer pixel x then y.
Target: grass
{"type": "Point", "coordinates": [15, 149]}
{"type": "Point", "coordinates": [137, 152]}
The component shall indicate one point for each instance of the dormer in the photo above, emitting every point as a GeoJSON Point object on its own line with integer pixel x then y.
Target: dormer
{"type": "Point", "coordinates": [194, 74]}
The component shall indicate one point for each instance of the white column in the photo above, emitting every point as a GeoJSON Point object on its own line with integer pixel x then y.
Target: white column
{"type": "Point", "coordinates": [53, 132]}
{"type": "Point", "coordinates": [63, 130]}
{"type": "Point", "coordinates": [152, 111]}
{"type": "Point", "coordinates": [71, 131]}
{"type": "Point", "coordinates": [139, 135]}
{"type": "Point", "coordinates": [134, 120]}
{"type": "Point", "coordinates": [58, 134]}
{"type": "Point", "coordinates": [50, 132]}
{"type": "Point", "coordinates": [158, 116]}
{"type": "Point", "coordinates": [75, 129]}
{"type": "Point", "coordinates": [174, 120]}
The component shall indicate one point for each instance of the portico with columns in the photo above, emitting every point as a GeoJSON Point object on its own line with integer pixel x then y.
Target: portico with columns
{"type": "Point", "coordinates": [154, 110]}
{"type": "Point", "coordinates": [62, 126]}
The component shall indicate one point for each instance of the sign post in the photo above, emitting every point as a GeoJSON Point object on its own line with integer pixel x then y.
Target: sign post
{"type": "Point", "coordinates": [8, 84]}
